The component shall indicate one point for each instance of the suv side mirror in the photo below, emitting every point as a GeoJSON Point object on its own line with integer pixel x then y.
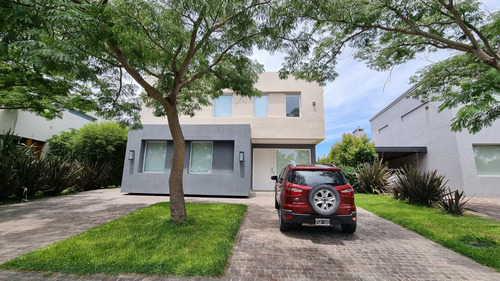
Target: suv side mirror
{"type": "Point", "coordinates": [274, 178]}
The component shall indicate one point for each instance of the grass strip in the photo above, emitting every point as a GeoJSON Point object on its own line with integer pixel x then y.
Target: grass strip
{"type": "Point", "coordinates": [472, 236]}
{"type": "Point", "coordinates": [146, 242]}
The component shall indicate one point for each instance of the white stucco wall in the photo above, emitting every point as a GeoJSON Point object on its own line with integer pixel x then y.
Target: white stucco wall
{"type": "Point", "coordinates": [408, 122]}
{"type": "Point", "coordinates": [309, 128]}
{"type": "Point", "coordinates": [29, 125]}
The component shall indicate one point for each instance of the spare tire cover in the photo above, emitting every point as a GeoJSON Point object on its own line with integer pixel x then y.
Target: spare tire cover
{"type": "Point", "coordinates": [324, 199]}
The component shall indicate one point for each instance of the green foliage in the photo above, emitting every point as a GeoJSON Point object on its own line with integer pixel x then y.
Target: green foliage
{"type": "Point", "coordinates": [373, 177]}
{"type": "Point", "coordinates": [462, 234]}
{"type": "Point", "coordinates": [454, 202]}
{"type": "Point", "coordinates": [45, 67]}
{"type": "Point", "coordinates": [92, 175]}
{"type": "Point", "coordinates": [385, 34]}
{"type": "Point", "coordinates": [60, 174]}
{"type": "Point", "coordinates": [62, 144]}
{"type": "Point", "coordinates": [351, 151]}
{"type": "Point", "coordinates": [426, 188]}
{"type": "Point", "coordinates": [146, 242]}
{"type": "Point", "coordinates": [350, 175]}
{"type": "Point", "coordinates": [96, 143]}
{"type": "Point", "coordinates": [21, 171]}
{"type": "Point", "coordinates": [461, 81]}
{"type": "Point", "coordinates": [12, 153]}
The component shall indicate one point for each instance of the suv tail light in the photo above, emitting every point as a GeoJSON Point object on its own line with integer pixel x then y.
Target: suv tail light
{"type": "Point", "coordinates": [348, 192]}
{"type": "Point", "coordinates": [292, 190]}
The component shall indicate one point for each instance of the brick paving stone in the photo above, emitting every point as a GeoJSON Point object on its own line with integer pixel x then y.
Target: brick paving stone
{"type": "Point", "coordinates": [379, 250]}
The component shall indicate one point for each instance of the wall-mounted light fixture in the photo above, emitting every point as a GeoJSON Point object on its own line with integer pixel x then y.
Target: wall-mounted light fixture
{"type": "Point", "coordinates": [131, 154]}
{"type": "Point", "coordinates": [242, 156]}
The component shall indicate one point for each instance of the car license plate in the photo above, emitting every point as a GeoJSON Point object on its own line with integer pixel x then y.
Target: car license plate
{"type": "Point", "coordinates": [322, 221]}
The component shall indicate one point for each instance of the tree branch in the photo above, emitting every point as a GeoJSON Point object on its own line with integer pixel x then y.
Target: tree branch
{"type": "Point", "coordinates": [150, 90]}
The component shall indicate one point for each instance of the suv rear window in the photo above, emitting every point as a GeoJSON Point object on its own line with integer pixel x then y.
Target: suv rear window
{"type": "Point", "coordinates": [312, 178]}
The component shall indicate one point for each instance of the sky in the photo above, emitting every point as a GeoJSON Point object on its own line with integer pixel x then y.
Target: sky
{"type": "Point", "coordinates": [359, 93]}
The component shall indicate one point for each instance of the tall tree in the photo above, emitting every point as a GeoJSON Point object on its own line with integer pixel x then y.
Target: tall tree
{"type": "Point", "coordinates": [385, 33]}
{"type": "Point", "coordinates": [182, 53]}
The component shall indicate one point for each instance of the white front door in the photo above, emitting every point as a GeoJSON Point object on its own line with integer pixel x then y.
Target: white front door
{"type": "Point", "coordinates": [263, 169]}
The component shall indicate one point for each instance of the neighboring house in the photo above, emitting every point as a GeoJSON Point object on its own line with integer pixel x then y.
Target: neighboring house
{"type": "Point", "coordinates": [35, 130]}
{"type": "Point", "coordinates": [234, 145]}
{"type": "Point", "coordinates": [409, 132]}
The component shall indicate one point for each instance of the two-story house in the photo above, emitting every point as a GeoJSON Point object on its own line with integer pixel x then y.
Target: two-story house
{"type": "Point", "coordinates": [234, 145]}
{"type": "Point", "coordinates": [409, 132]}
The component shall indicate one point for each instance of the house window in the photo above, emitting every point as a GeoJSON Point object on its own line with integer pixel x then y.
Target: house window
{"type": "Point", "coordinates": [292, 105]}
{"type": "Point", "coordinates": [154, 158]}
{"type": "Point", "coordinates": [487, 159]}
{"type": "Point", "coordinates": [201, 157]}
{"type": "Point", "coordinates": [260, 106]}
{"type": "Point", "coordinates": [223, 105]}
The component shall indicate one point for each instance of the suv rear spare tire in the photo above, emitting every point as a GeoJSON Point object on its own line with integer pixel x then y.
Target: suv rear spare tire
{"type": "Point", "coordinates": [324, 199]}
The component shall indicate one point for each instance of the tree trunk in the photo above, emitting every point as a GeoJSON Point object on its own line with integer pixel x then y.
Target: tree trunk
{"type": "Point", "coordinates": [177, 203]}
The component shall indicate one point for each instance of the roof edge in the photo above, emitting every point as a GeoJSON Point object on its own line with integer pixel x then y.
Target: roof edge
{"type": "Point", "coordinates": [407, 92]}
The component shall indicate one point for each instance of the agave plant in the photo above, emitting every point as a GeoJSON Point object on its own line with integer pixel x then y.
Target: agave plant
{"type": "Point", "coordinates": [426, 188]}
{"type": "Point", "coordinates": [454, 202]}
{"type": "Point", "coordinates": [373, 177]}
{"type": "Point", "coordinates": [93, 175]}
{"type": "Point", "coordinates": [59, 175]}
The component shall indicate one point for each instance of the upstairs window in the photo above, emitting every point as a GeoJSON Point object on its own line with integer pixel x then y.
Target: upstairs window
{"type": "Point", "coordinates": [260, 106]}
{"type": "Point", "coordinates": [223, 106]}
{"type": "Point", "coordinates": [292, 105]}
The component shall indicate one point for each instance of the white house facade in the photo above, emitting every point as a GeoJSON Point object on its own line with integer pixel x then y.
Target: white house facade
{"type": "Point", "coordinates": [234, 145]}
{"type": "Point", "coordinates": [409, 132]}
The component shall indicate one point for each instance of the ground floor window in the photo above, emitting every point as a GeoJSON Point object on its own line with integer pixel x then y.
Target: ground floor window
{"type": "Point", "coordinates": [154, 158]}
{"type": "Point", "coordinates": [487, 159]}
{"type": "Point", "coordinates": [201, 157]}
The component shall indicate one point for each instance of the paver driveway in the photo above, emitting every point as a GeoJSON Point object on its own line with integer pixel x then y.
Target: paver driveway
{"type": "Point", "coordinates": [379, 250]}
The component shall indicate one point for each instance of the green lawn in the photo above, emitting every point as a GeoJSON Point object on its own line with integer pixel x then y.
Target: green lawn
{"type": "Point", "coordinates": [146, 242]}
{"type": "Point", "coordinates": [475, 237]}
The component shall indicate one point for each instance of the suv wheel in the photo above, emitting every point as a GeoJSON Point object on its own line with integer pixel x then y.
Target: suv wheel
{"type": "Point", "coordinates": [324, 199]}
{"type": "Point", "coordinates": [348, 228]}
{"type": "Point", "coordinates": [283, 225]}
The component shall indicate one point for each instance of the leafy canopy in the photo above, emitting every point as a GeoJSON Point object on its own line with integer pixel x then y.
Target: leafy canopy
{"type": "Point", "coordinates": [386, 33]}
{"type": "Point", "coordinates": [46, 67]}
{"type": "Point", "coordinates": [351, 151]}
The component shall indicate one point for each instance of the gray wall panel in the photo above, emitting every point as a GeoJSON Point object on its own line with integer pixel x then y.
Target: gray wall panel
{"type": "Point", "coordinates": [229, 140]}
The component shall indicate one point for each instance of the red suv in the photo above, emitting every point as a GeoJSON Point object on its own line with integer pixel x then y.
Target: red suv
{"type": "Point", "coordinates": [314, 194]}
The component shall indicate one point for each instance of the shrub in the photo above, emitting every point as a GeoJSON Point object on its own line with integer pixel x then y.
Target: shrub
{"type": "Point", "coordinates": [419, 188]}
{"type": "Point", "coordinates": [31, 174]}
{"type": "Point", "coordinates": [350, 175]}
{"type": "Point", "coordinates": [104, 142]}
{"type": "Point", "coordinates": [13, 157]}
{"type": "Point", "coordinates": [453, 202]}
{"type": "Point", "coordinates": [9, 182]}
{"type": "Point", "coordinates": [373, 177]}
{"type": "Point", "coordinates": [92, 175]}
{"type": "Point", "coordinates": [61, 145]}
{"type": "Point", "coordinates": [351, 151]}
{"type": "Point", "coordinates": [59, 174]}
